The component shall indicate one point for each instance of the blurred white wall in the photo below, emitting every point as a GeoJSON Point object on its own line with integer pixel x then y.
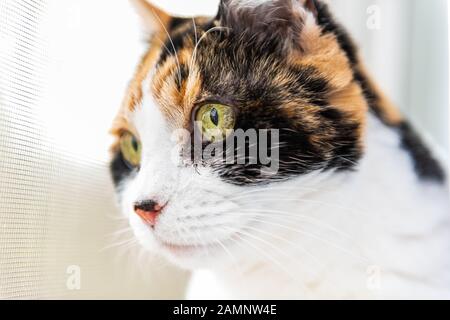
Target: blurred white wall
{"type": "Point", "coordinates": [408, 55]}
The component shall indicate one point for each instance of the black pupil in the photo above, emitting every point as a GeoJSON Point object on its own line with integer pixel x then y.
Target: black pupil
{"type": "Point", "coordinates": [214, 115]}
{"type": "Point", "coordinates": [134, 144]}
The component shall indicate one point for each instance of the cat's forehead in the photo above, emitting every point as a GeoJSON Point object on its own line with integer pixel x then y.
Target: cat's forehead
{"type": "Point", "coordinates": [199, 60]}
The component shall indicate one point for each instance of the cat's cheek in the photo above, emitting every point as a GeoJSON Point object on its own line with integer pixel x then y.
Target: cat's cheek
{"type": "Point", "coordinates": [126, 197]}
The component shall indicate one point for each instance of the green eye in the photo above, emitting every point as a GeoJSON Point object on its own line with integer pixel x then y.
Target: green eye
{"type": "Point", "coordinates": [216, 121]}
{"type": "Point", "coordinates": [131, 149]}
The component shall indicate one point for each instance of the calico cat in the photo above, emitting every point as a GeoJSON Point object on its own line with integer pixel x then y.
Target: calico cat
{"type": "Point", "coordinates": [351, 203]}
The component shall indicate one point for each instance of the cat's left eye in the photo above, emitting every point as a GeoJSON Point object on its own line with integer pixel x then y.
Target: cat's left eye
{"type": "Point", "coordinates": [215, 121]}
{"type": "Point", "coordinates": [130, 147]}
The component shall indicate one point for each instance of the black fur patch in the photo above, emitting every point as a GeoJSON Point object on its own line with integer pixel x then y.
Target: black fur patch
{"type": "Point", "coordinates": [425, 165]}
{"type": "Point", "coordinates": [119, 168]}
{"type": "Point", "coordinates": [177, 22]}
{"type": "Point", "coordinates": [297, 154]}
{"type": "Point", "coordinates": [248, 79]}
{"type": "Point", "coordinates": [171, 47]}
{"type": "Point", "coordinates": [272, 19]}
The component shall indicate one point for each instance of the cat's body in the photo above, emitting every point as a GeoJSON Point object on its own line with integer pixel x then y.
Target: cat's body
{"type": "Point", "coordinates": [358, 207]}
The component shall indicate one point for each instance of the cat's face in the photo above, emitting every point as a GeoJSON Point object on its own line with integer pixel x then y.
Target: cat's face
{"type": "Point", "coordinates": [263, 74]}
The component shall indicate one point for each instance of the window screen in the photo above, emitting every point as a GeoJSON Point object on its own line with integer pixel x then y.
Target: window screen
{"type": "Point", "coordinates": [60, 233]}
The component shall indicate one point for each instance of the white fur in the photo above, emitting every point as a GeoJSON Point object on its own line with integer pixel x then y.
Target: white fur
{"type": "Point", "coordinates": [378, 232]}
{"type": "Point", "coordinates": [397, 227]}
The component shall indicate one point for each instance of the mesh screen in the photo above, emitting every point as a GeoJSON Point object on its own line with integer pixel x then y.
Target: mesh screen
{"type": "Point", "coordinates": [60, 233]}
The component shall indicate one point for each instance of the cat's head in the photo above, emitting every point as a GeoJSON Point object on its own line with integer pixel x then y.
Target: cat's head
{"type": "Point", "coordinates": [266, 75]}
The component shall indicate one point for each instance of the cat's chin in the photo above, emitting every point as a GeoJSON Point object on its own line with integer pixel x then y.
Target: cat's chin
{"type": "Point", "coordinates": [193, 256]}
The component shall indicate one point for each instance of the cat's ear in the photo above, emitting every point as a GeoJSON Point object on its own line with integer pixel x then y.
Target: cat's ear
{"type": "Point", "coordinates": [283, 20]}
{"type": "Point", "coordinates": [153, 18]}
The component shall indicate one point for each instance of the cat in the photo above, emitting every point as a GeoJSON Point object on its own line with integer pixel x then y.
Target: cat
{"type": "Point", "coordinates": [350, 205]}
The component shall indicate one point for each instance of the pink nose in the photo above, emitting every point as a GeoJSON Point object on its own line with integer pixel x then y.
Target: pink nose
{"type": "Point", "coordinates": [148, 210]}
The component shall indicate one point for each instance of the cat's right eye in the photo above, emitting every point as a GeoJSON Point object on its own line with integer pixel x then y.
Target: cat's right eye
{"type": "Point", "coordinates": [130, 147]}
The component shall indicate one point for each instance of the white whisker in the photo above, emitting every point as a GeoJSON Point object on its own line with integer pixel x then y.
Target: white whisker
{"type": "Point", "coordinates": [271, 259]}
{"type": "Point", "coordinates": [313, 236]}
{"type": "Point", "coordinates": [293, 216]}
{"type": "Point", "coordinates": [194, 52]}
